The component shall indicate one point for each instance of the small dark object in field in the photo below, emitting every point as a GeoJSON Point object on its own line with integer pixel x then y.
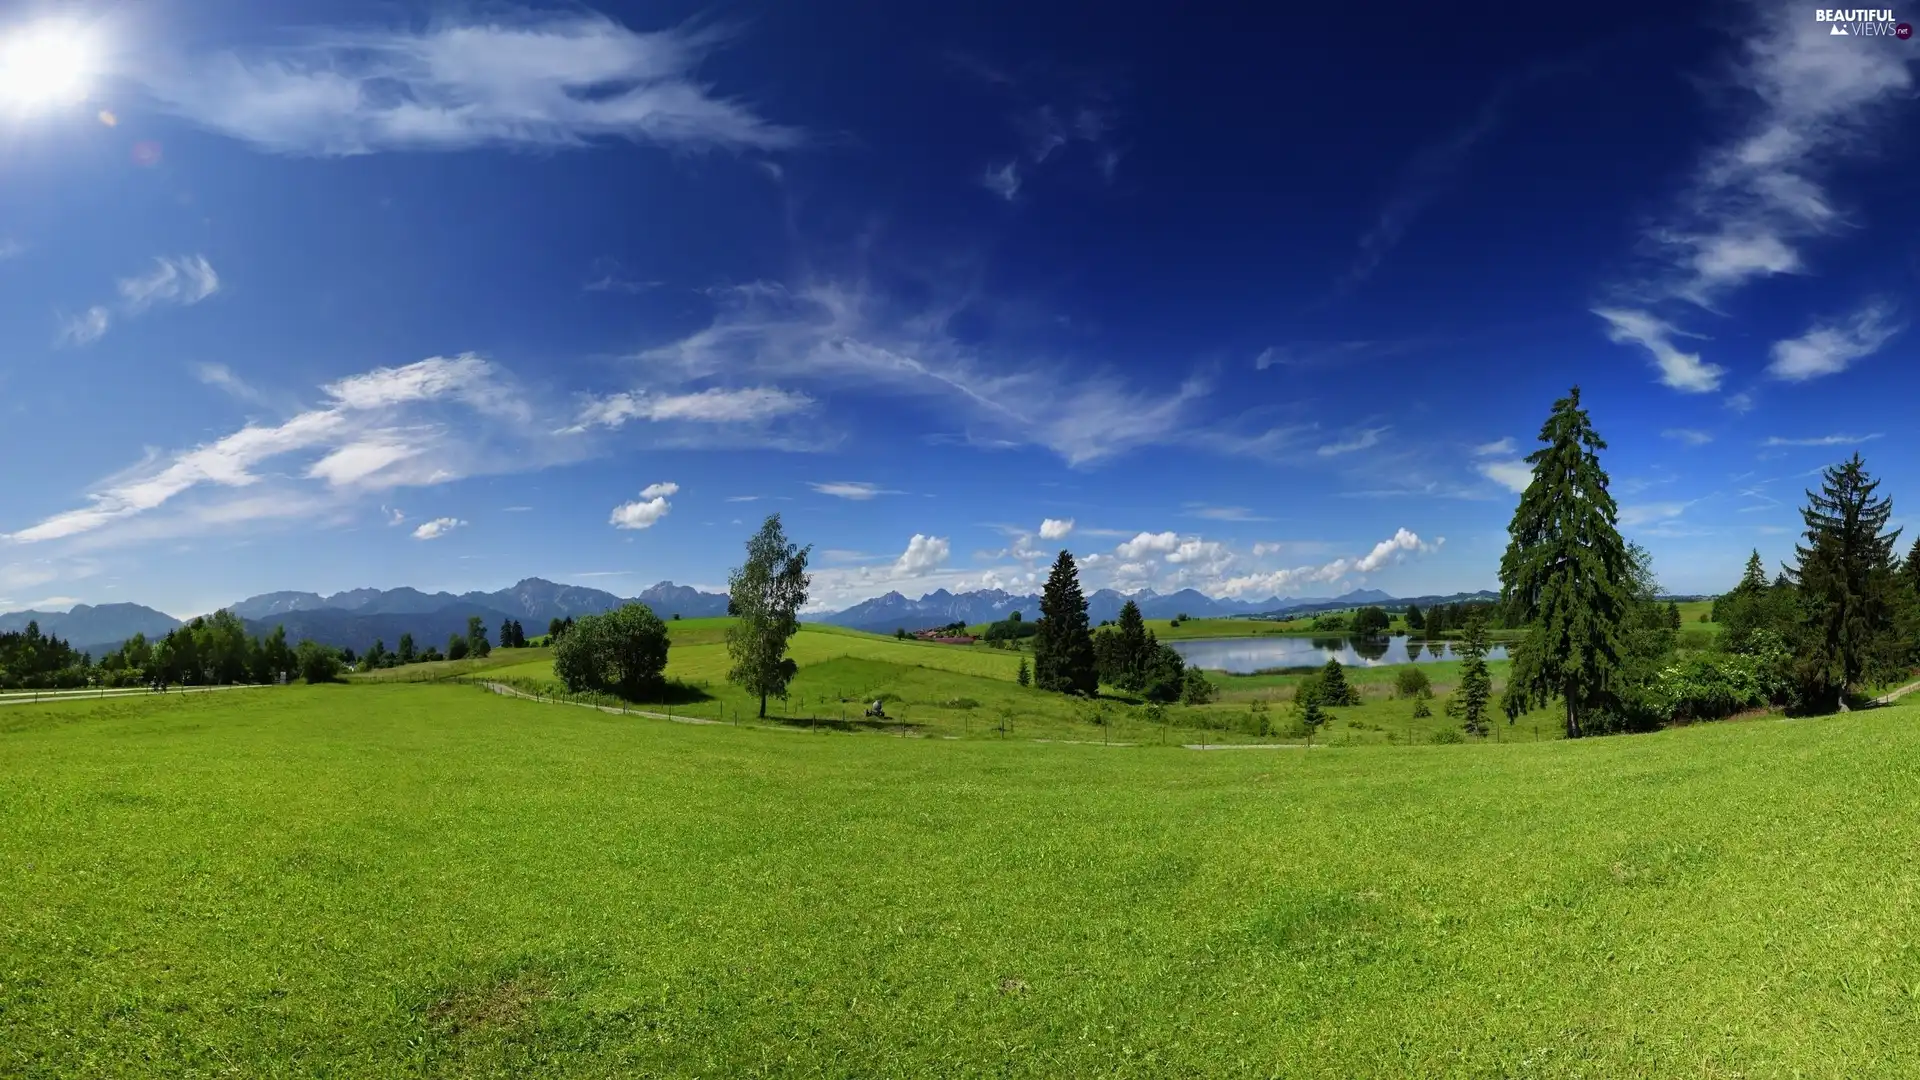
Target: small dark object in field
{"type": "Point", "coordinates": [1013, 986]}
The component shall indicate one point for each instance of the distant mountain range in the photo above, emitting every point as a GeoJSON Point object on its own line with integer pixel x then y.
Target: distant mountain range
{"type": "Point", "coordinates": [87, 625]}
{"type": "Point", "coordinates": [894, 611]}
{"type": "Point", "coordinates": [357, 618]}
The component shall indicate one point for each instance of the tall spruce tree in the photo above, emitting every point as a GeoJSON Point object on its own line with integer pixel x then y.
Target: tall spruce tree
{"type": "Point", "coordinates": [1565, 574]}
{"type": "Point", "coordinates": [1470, 700]}
{"type": "Point", "coordinates": [1063, 649]}
{"type": "Point", "coordinates": [1846, 582]}
{"type": "Point", "coordinates": [1132, 647]}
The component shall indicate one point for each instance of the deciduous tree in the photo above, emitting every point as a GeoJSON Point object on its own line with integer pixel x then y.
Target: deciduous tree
{"type": "Point", "coordinates": [765, 594]}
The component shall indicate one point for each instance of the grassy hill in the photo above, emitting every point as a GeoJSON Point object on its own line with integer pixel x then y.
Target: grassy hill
{"type": "Point", "coordinates": [962, 691]}
{"type": "Point", "coordinates": [432, 880]}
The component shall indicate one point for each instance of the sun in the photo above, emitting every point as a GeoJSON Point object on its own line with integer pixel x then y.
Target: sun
{"type": "Point", "coordinates": [46, 63]}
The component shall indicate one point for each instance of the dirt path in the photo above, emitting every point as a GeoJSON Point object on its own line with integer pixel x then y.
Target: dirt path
{"type": "Point", "coordinates": [508, 691]}
{"type": "Point", "coordinates": [1887, 699]}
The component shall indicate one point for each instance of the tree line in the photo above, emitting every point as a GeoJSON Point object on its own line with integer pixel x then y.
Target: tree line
{"type": "Point", "coordinates": [1599, 646]}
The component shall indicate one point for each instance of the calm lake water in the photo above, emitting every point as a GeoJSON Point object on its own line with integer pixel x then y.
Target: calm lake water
{"type": "Point", "coordinates": [1242, 656]}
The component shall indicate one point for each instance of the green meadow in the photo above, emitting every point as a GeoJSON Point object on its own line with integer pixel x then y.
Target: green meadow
{"type": "Point", "coordinates": [970, 691]}
{"type": "Point", "coordinates": [433, 880]}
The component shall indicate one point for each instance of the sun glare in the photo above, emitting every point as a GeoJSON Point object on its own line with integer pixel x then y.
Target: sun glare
{"type": "Point", "coordinates": [47, 63]}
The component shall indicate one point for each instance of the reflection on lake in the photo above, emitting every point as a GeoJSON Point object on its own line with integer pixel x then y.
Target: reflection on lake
{"type": "Point", "coordinates": [1243, 656]}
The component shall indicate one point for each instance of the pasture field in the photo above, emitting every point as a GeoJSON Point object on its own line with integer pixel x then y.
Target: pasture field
{"type": "Point", "coordinates": [951, 690]}
{"type": "Point", "coordinates": [408, 880]}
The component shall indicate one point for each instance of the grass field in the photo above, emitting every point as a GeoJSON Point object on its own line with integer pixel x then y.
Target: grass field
{"type": "Point", "coordinates": [960, 691]}
{"type": "Point", "coordinates": [435, 881]}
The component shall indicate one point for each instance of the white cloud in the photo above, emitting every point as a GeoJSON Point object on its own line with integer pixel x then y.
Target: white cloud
{"type": "Point", "coordinates": [1500, 447]}
{"type": "Point", "coordinates": [1756, 200]}
{"type": "Point", "coordinates": [1280, 582]}
{"type": "Point", "coordinates": [183, 279]}
{"type": "Point", "coordinates": [642, 514]}
{"type": "Point", "coordinates": [85, 328]}
{"type": "Point", "coordinates": [1263, 549]}
{"type": "Point", "coordinates": [1513, 475]}
{"type": "Point", "coordinates": [1056, 528]}
{"type": "Point", "coordinates": [1648, 513]}
{"type": "Point", "coordinates": [1200, 553]}
{"type": "Point", "coordinates": [1687, 435]}
{"type": "Point", "coordinates": [713, 406]}
{"type": "Point", "coordinates": [857, 490]}
{"type": "Point", "coordinates": [1683, 371]}
{"type": "Point", "coordinates": [1741, 402]}
{"type": "Point", "coordinates": [1828, 348]}
{"type": "Point", "coordinates": [370, 435]}
{"type": "Point", "coordinates": [1821, 440]}
{"type": "Point", "coordinates": [222, 377]}
{"type": "Point", "coordinates": [924, 553]}
{"type": "Point", "coordinates": [465, 378]}
{"type": "Point", "coordinates": [654, 491]}
{"type": "Point", "coordinates": [437, 528]}
{"type": "Point", "coordinates": [1147, 544]}
{"type": "Point", "coordinates": [358, 461]}
{"type": "Point", "coordinates": [533, 80]}
{"type": "Point", "coordinates": [1393, 549]}
{"type": "Point", "coordinates": [1003, 181]}
{"type": "Point", "coordinates": [394, 516]}
{"type": "Point", "coordinates": [1223, 513]}
{"type": "Point", "coordinates": [1360, 441]}
{"type": "Point", "coordinates": [847, 336]}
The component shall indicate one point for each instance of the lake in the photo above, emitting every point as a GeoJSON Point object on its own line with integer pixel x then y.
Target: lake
{"type": "Point", "coordinates": [1243, 656]}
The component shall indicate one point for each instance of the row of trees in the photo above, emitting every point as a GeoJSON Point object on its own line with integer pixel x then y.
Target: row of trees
{"type": "Point", "coordinates": [1843, 616]}
{"type": "Point", "coordinates": [1069, 658]}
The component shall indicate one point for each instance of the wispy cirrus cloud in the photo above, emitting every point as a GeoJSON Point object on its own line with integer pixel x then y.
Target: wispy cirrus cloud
{"type": "Point", "coordinates": [848, 337]}
{"type": "Point", "coordinates": [222, 377]}
{"type": "Point", "coordinates": [1002, 180]}
{"type": "Point", "coordinates": [1821, 440]}
{"type": "Point", "coordinates": [1223, 513]}
{"type": "Point", "coordinates": [529, 79]}
{"type": "Point", "coordinates": [857, 490]}
{"type": "Point", "coordinates": [1758, 198]}
{"type": "Point", "coordinates": [184, 279]}
{"type": "Point", "coordinates": [85, 328]}
{"type": "Point", "coordinates": [180, 280]}
{"type": "Point", "coordinates": [1830, 347]}
{"type": "Point", "coordinates": [748, 405]}
{"type": "Point", "coordinates": [377, 430]}
{"type": "Point", "coordinates": [1687, 436]}
{"type": "Point", "coordinates": [1679, 369]}
{"type": "Point", "coordinates": [1361, 440]}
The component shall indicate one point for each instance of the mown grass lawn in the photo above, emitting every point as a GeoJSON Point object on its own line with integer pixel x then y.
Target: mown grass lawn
{"type": "Point", "coordinates": [432, 880]}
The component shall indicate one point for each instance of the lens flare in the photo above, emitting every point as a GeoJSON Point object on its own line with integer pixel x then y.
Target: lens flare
{"type": "Point", "coordinates": [47, 63]}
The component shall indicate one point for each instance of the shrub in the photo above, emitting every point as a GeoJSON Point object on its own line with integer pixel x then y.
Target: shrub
{"type": "Point", "coordinates": [621, 652]}
{"type": "Point", "coordinates": [1195, 688]}
{"type": "Point", "coordinates": [317, 663]}
{"type": "Point", "coordinates": [1412, 682]}
{"type": "Point", "coordinates": [1334, 621]}
{"type": "Point", "coordinates": [1449, 735]}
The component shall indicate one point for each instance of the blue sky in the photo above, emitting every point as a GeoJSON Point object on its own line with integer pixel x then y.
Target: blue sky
{"type": "Point", "coordinates": [324, 296]}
